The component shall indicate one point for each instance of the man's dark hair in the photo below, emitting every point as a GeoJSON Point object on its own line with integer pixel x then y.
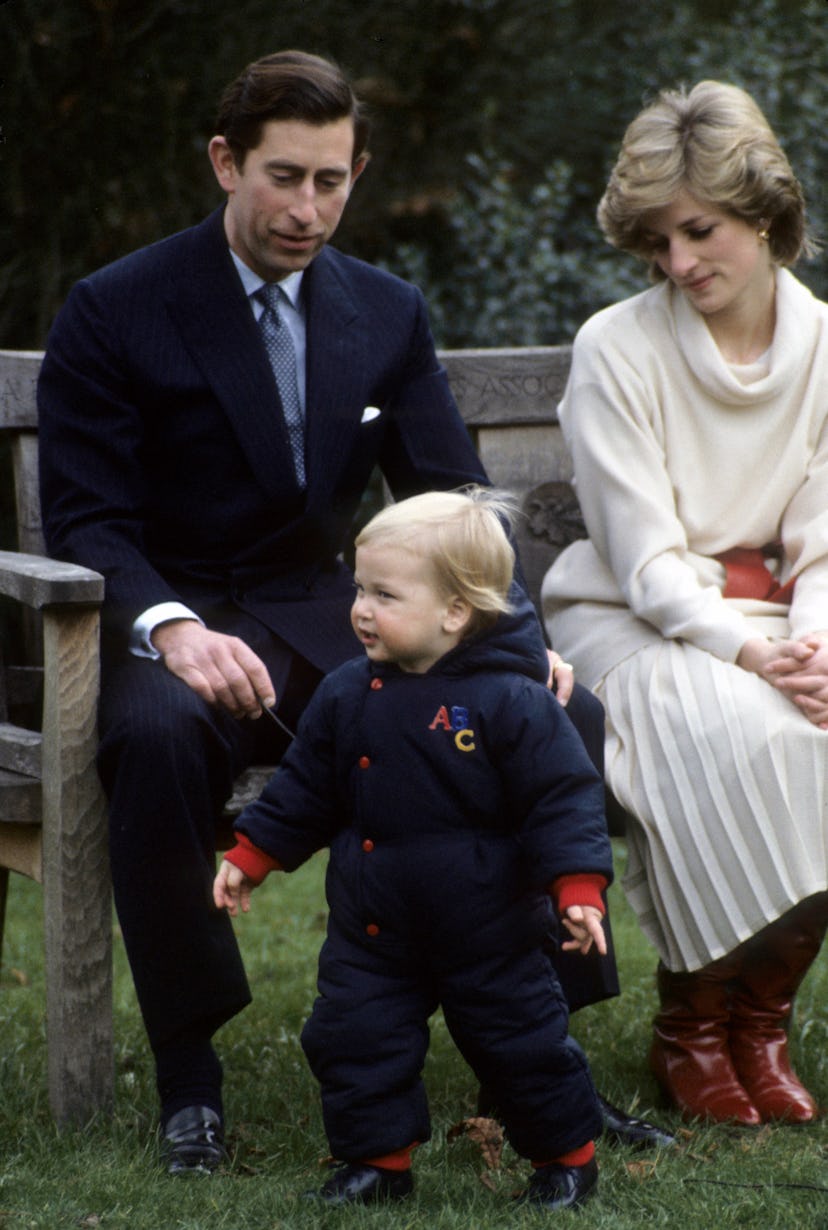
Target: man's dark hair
{"type": "Point", "coordinates": [288, 85]}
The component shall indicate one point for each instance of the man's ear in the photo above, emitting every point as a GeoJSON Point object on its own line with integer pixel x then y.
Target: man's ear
{"type": "Point", "coordinates": [458, 614]}
{"type": "Point", "coordinates": [357, 169]}
{"type": "Point", "coordinates": [223, 163]}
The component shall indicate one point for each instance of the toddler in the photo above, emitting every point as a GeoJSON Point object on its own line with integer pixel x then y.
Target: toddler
{"type": "Point", "coordinates": [458, 804]}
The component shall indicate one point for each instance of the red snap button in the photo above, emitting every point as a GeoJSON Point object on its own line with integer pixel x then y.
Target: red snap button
{"type": "Point", "coordinates": [372, 929]}
{"type": "Point", "coordinates": [376, 684]}
{"type": "Point", "coordinates": [367, 845]}
{"type": "Point", "coordinates": [364, 762]}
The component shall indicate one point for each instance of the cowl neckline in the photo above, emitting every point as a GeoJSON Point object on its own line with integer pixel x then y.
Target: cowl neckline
{"type": "Point", "coordinates": [794, 338]}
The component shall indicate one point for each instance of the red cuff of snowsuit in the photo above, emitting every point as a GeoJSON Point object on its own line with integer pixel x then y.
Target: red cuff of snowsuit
{"type": "Point", "coordinates": [580, 889]}
{"type": "Point", "coordinates": [251, 860]}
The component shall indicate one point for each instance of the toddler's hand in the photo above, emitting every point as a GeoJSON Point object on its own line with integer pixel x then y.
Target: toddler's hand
{"type": "Point", "coordinates": [231, 889]}
{"type": "Point", "coordinates": [561, 676]}
{"type": "Point", "coordinates": [583, 922]}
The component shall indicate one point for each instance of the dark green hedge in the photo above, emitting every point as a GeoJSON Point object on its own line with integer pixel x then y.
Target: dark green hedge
{"type": "Point", "coordinates": [495, 124]}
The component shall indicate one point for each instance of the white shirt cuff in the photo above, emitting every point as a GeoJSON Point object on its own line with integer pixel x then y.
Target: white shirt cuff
{"type": "Point", "coordinates": [144, 626]}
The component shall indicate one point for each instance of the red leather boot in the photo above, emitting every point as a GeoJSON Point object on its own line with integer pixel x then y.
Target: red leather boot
{"type": "Point", "coordinates": [775, 962]}
{"type": "Point", "coordinates": [690, 1055]}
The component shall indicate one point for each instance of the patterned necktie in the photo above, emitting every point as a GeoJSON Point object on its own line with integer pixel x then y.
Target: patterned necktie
{"type": "Point", "coordinates": [282, 356]}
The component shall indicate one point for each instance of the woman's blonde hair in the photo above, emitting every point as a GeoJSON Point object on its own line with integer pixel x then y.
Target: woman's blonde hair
{"type": "Point", "coordinates": [715, 142]}
{"type": "Point", "coordinates": [463, 536]}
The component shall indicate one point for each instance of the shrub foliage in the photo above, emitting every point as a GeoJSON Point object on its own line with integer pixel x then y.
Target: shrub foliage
{"type": "Point", "coordinates": [495, 123]}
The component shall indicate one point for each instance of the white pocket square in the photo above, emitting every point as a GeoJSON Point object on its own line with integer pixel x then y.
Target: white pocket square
{"type": "Point", "coordinates": [370, 413]}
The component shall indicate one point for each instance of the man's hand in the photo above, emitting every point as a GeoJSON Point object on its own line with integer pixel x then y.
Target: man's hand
{"type": "Point", "coordinates": [231, 889]}
{"type": "Point", "coordinates": [220, 668]}
{"type": "Point", "coordinates": [561, 676]}
{"type": "Point", "coordinates": [583, 922]}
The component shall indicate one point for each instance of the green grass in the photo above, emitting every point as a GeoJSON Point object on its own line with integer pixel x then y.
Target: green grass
{"type": "Point", "coordinates": [108, 1175]}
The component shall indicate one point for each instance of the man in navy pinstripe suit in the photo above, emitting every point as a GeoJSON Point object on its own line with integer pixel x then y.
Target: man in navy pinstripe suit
{"type": "Point", "coordinates": [166, 466]}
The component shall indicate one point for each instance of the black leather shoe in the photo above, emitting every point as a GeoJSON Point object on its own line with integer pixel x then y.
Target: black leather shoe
{"type": "Point", "coordinates": [355, 1183]}
{"type": "Point", "coordinates": [623, 1129]}
{"type": "Point", "coordinates": [562, 1187]}
{"type": "Point", "coordinates": [194, 1141]}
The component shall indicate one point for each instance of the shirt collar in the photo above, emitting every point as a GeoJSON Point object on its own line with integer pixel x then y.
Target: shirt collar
{"type": "Point", "coordinates": [251, 281]}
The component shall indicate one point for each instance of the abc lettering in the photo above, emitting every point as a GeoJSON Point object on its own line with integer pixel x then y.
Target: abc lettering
{"type": "Point", "coordinates": [457, 721]}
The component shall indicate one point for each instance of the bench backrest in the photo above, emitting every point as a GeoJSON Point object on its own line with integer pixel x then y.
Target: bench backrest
{"type": "Point", "coordinates": [508, 399]}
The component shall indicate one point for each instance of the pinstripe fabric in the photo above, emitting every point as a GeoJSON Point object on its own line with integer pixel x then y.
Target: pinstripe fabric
{"type": "Point", "coordinates": [167, 761]}
{"type": "Point", "coordinates": [729, 784]}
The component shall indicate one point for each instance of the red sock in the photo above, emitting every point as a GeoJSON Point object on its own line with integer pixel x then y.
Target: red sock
{"type": "Point", "coordinates": [399, 1160]}
{"type": "Point", "coordinates": [575, 1157]}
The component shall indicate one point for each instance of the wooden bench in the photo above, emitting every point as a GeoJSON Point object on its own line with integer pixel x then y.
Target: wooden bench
{"type": "Point", "coordinates": [52, 813]}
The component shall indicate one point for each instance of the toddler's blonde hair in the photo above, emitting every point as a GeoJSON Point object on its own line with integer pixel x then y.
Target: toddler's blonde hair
{"type": "Point", "coordinates": [463, 535]}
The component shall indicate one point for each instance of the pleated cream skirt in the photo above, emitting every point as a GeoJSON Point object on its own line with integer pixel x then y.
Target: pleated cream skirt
{"type": "Point", "coordinates": [729, 786]}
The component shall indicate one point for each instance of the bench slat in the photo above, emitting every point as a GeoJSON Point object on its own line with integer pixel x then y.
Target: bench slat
{"type": "Point", "coordinates": [507, 387]}
{"type": "Point", "coordinates": [20, 750]}
{"type": "Point", "coordinates": [20, 799]}
{"type": "Point", "coordinates": [18, 380]}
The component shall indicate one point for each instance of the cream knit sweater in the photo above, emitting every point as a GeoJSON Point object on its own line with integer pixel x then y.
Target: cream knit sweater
{"type": "Point", "coordinates": [678, 456]}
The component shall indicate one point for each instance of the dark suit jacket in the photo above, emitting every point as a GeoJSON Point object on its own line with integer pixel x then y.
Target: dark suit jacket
{"type": "Point", "coordinates": [165, 462]}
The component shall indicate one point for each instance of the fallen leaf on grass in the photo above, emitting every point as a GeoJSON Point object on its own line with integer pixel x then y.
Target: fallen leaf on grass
{"type": "Point", "coordinates": [704, 1150]}
{"type": "Point", "coordinates": [245, 1136]}
{"type": "Point", "coordinates": [749, 1143]}
{"type": "Point", "coordinates": [641, 1170]}
{"type": "Point", "coordinates": [487, 1134]}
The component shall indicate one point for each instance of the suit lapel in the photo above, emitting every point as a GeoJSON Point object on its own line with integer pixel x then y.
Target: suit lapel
{"type": "Point", "coordinates": [336, 362]}
{"type": "Point", "coordinates": [210, 308]}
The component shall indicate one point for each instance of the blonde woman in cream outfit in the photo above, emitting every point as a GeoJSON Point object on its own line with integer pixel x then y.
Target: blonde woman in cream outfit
{"type": "Point", "coordinates": [697, 418]}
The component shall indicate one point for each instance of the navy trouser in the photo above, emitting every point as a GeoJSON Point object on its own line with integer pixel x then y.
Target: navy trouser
{"type": "Point", "coordinates": [168, 762]}
{"type": "Point", "coordinates": [367, 1037]}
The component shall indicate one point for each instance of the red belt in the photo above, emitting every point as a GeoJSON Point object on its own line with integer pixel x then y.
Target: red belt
{"type": "Point", "coordinates": [747, 575]}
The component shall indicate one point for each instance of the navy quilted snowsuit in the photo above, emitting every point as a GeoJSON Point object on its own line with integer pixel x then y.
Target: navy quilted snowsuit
{"type": "Point", "coordinates": [450, 802]}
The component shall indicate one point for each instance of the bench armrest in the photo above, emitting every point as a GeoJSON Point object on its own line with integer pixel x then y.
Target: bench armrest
{"type": "Point", "coordinates": [40, 582]}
